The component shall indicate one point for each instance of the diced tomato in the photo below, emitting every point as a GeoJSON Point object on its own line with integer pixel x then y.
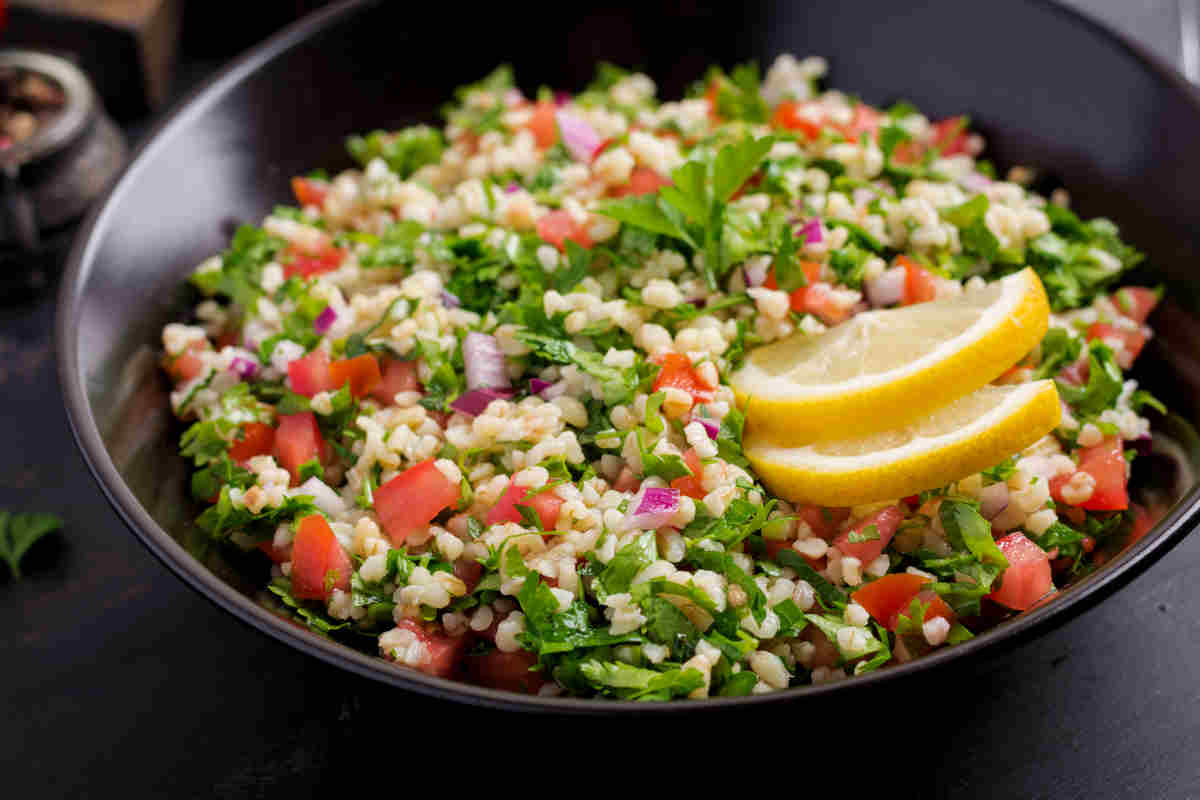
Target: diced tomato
{"type": "Point", "coordinates": [508, 671]}
{"type": "Point", "coordinates": [935, 606]}
{"type": "Point", "coordinates": [546, 504]}
{"type": "Point", "coordinates": [950, 136]}
{"type": "Point", "coordinates": [642, 180]}
{"type": "Point", "coordinates": [815, 298]}
{"type": "Point", "coordinates": [445, 651]}
{"type": "Point", "coordinates": [1075, 374]}
{"type": "Point", "coordinates": [543, 125]}
{"type": "Point", "coordinates": [627, 480]}
{"type": "Point", "coordinates": [1105, 462]}
{"type": "Point", "coordinates": [408, 502]}
{"type": "Point", "coordinates": [187, 365]}
{"type": "Point", "coordinates": [319, 564]}
{"type": "Point", "coordinates": [308, 265]}
{"type": "Point", "coordinates": [398, 376]}
{"type": "Point", "coordinates": [257, 439]}
{"type": "Point", "coordinates": [558, 226]}
{"type": "Point", "coordinates": [469, 572]}
{"type": "Point", "coordinates": [788, 114]}
{"type": "Point", "coordinates": [889, 596]}
{"type": "Point", "coordinates": [919, 283]}
{"type": "Point", "coordinates": [1027, 579]}
{"type": "Point", "coordinates": [1135, 302]}
{"type": "Point", "coordinates": [885, 520]}
{"type": "Point", "coordinates": [823, 522]}
{"type": "Point", "coordinates": [1132, 341]}
{"type": "Point", "coordinates": [866, 120]}
{"type": "Point", "coordinates": [676, 371]}
{"type": "Point", "coordinates": [691, 485]}
{"type": "Point", "coordinates": [362, 372]}
{"type": "Point", "coordinates": [297, 441]}
{"type": "Point", "coordinates": [310, 374]}
{"type": "Point", "coordinates": [309, 192]}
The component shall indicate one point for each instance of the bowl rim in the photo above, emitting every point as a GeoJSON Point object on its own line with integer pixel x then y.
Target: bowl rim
{"type": "Point", "coordinates": [1073, 601]}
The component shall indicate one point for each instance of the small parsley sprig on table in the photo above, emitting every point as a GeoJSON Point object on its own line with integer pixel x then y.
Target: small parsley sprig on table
{"type": "Point", "coordinates": [19, 531]}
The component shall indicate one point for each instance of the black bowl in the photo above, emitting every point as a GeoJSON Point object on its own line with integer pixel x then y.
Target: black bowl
{"type": "Point", "coordinates": [1045, 85]}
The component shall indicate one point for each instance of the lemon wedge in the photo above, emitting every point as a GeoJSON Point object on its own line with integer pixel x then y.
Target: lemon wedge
{"type": "Point", "coordinates": [969, 434]}
{"type": "Point", "coordinates": [882, 369]}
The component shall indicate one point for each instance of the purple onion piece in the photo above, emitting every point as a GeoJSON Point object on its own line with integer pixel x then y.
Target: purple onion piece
{"type": "Point", "coordinates": [1143, 444]}
{"type": "Point", "coordinates": [653, 508]}
{"type": "Point", "coordinates": [755, 276]}
{"type": "Point", "coordinates": [484, 362]}
{"type": "Point", "coordinates": [325, 320]}
{"type": "Point", "coordinates": [555, 390]}
{"type": "Point", "coordinates": [711, 426]}
{"type": "Point", "coordinates": [561, 98]}
{"type": "Point", "coordinates": [537, 385]}
{"type": "Point", "coordinates": [244, 367]}
{"type": "Point", "coordinates": [886, 289]}
{"type": "Point", "coordinates": [475, 402]}
{"type": "Point", "coordinates": [513, 186]}
{"type": "Point", "coordinates": [580, 139]}
{"type": "Point", "coordinates": [993, 499]}
{"type": "Point", "coordinates": [862, 195]}
{"type": "Point", "coordinates": [450, 300]}
{"type": "Point", "coordinates": [811, 231]}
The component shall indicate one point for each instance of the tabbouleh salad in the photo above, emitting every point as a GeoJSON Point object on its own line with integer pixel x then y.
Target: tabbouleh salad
{"type": "Point", "coordinates": [470, 398]}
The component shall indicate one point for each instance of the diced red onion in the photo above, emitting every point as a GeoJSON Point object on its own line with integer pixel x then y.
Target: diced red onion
{"type": "Point", "coordinates": [323, 497]}
{"type": "Point", "coordinates": [537, 385]}
{"type": "Point", "coordinates": [653, 508]}
{"type": "Point", "coordinates": [513, 186]}
{"type": "Point", "coordinates": [561, 98]}
{"type": "Point", "coordinates": [711, 426]}
{"type": "Point", "coordinates": [887, 288]}
{"type": "Point", "coordinates": [450, 300]}
{"type": "Point", "coordinates": [811, 232]}
{"type": "Point", "coordinates": [993, 499]}
{"type": "Point", "coordinates": [475, 402]}
{"type": "Point", "coordinates": [1143, 444]}
{"type": "Point", "coordinates": [244, 367]}
{"type": "Point", "coordinates": [755, 275]}
{"type": "Point", "coordinates": [484, 362]}
{"type": "Point", "coordinates": [554, 390]}
{"type": "Point", "coordinates": [325, 320]}
{"type": "Point", "coordinates": [861, 196]}
{"type": "Point", "coordinates": [974, 182]}
{"type": "Point", "coordinates": [580, 139]}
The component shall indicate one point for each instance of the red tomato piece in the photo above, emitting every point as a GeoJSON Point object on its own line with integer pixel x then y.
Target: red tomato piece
{"type": "Point", "coordinates": [408, 502]}
{"type": "Point", "coordinates": [935, 606]}
{"type": "Point", "coordinates": [1135, 302]}
{"type": "Point", "coordinates": [1132, 341]}
{"type": "Point", "coordinates": [187, 365]}
{"type": "Point", "coordinates": [276, 554]}
{"type": "Point", "coordinates": [309, 192]}
{"type": "Point", "coordinates": [310, 374]}
{"type": "Point", "coordinates": [1141, 525]}
{"type": "Point", "coordinates": [319, 564]}
{"type": "Point", "coordinates": [788, 114]}
{"type": "Point", "coordinates": [508, 671]}
{"type": "Point", "coordinates": [558, 226]}
{"type": "Point", "coordinates": [362, 373]}
{"type": "Point", "coordinates": [308, 265]}
{"type": "Point", "coordinates": [398, 376]}
{"type": "Point", "coordinates": [297, 441]}
{"type": "Point", "coordinates": [545, 504]}
{"type": "Point", "coordinates": [691, 485]}
{"type": "Point", "coordinates": [816, 299]}
{"type": "Point", "coordinates": [812, 272]}
{"type": "Point", "coordinates": [888, 596]}
{"type": "Point", "coordinates": [885, 520]}
{"type": "Point", "coordinates": [823, 522]}
{"type": "Point", "coordinates": [950, 136]}
{"type": "Point", "coordinates": [642, 180]}
{"type": "Point", "coordinates": [1105, 462]}
{"type": "Point", "coordinates": [445, 651]}
{"type": "Point", "coordinates": [1027, 579]}
{"type": "Point", "coordinates": [543, 125]}
{"type": "Point", "coordinates": [677, 372]}
{"type": "Point", "coordinates": [919, 283]}
{"type": "Point", "coordinates": [257, 439]}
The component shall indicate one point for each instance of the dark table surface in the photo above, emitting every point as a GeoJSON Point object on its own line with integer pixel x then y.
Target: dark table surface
{"type": "Point", "coordinates": [114, 677]}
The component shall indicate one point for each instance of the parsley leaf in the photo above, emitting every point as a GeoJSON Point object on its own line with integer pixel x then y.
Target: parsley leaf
{"type": "Point", "coordinates": [19, 531]}
{"type": "Point", "coordinates": [1104, 385]}
{"type": "Point", "coordinates": [405, 151]}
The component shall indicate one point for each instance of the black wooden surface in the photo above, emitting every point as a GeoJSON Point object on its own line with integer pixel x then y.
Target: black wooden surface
{"type": "Point", "coordinates": [114, 677]}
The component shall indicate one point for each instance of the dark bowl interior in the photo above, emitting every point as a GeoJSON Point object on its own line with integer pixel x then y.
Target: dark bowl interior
{"type": "Point", "coordinates": [1045, 86]}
